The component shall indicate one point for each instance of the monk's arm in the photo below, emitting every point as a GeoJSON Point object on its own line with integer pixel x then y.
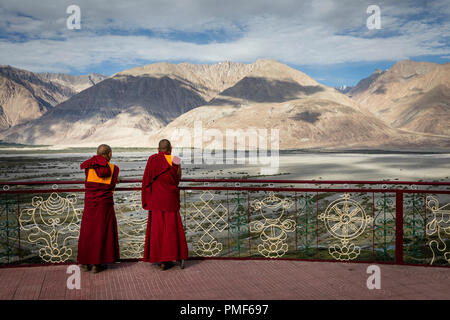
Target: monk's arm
{"type": "Point", "coordinates": [115, 177]}
{"type": "Point", "coordinates": [146, 186]}
{"type": "Point", "coordinates": [179, 172]}
{"type": "Point", "coordinates": [147, 178]}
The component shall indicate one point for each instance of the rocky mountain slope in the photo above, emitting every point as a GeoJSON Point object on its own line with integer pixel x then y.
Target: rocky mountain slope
{"type": "Point", "coordinates": [137, 107]}
{"type": "Point", "coordinates": [307, 114]}
{"type": "Point", "coordinates": [25, 95]}
{"type": "Point", "coordinates": [76, 83]}
{"type": "Point", "coordinates": [344, 88]}
{"type": "Point", "coordinates": [131, 104]}
{"type": "Point", "coordinates": [207, 80]}
{"type": "Point", "coordinates": [414, 96]}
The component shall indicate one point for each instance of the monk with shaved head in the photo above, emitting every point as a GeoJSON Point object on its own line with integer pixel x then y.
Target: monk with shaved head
{"type": "Point", "coordinates": [105, 151]}
{"type": "Point", "coordinates": [98, 243]}
{"type": "Point", "coordinates": [165, 241]}
{"type": "Point", "coordinates": [164, 145]}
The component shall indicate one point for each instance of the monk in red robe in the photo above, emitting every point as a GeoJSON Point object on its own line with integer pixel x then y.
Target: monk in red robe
{"type": "Point", "coordinates": [165, 240]}
{"type": "Point", "coordinates": [98, 243]}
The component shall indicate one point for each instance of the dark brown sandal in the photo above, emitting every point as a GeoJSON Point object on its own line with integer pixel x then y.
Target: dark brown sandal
{"type": "Point", "coordinates": [85, 267]}
{"type": "Point", "coordinates": [98, 268]}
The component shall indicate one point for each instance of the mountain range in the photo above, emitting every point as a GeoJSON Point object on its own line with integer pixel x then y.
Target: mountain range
{"type": "Point", "coordinates": [26, 96]}
{"type": "Point", "coordinates": [414, 96]}
{"type": "Point", "coordinates": [405, 107]}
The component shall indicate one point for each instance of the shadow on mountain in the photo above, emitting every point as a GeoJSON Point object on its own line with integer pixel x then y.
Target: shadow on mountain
{"type": "Point", "coordinates": [264, 90]}
{"type": "Point", "coordinates": [222, 101]}
{"type": "Point", "coordinates": [163, 97]}
{"type": "Point", "coordinates": [28, 133]}
{"type": "Point", "coordinates": [380, 90]}
{"type": "Point", "coordinates": [365, 83]}
{"type": "Point", "coordinates": [307, 116]}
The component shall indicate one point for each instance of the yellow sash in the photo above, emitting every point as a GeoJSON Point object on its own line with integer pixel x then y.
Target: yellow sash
{"type": "Point", "coordinates": [169, 158]}
{"type": "Point", "coordinates": [93, 177]}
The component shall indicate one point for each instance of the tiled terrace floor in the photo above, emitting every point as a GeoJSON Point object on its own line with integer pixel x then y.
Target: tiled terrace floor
{"type": "Point", "coordinates": [228, 279]}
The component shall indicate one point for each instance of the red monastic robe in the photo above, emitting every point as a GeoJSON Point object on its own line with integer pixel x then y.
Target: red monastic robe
{"type": "Point", "coordinates": [165, 239]}
{"type": "Point", "coordinates": [98, 242]}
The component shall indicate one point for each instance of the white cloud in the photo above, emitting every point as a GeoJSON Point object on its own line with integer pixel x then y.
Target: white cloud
{"type": "Point", "coordinates": [318, 32]}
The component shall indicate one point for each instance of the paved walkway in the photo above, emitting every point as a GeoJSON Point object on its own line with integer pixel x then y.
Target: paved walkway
{"type": "Point", "coordinates": [228, 279]}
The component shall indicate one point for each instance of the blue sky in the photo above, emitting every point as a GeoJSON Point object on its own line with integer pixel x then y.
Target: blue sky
{"type": "Point", "coordinates": [326, 39]}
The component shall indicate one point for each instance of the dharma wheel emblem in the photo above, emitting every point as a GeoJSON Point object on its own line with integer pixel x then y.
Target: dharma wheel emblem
{"type": "Point", "coordinates": [345, 220]}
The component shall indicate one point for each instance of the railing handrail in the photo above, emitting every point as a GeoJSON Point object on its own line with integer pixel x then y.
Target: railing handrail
{"type": "Point", "coordinates": [428, 183]}
{"type": "Point", "coordinates": [223, 188]}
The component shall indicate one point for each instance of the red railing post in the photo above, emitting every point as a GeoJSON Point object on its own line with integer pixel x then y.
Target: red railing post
{"type": "Point", "coordinates": [399, 227]}
{"type": "Point", "coordinates": [228, 214]}
{"type": "Point", "coordinates": [18, 226]}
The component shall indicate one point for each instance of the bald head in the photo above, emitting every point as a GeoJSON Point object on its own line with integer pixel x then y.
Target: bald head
{"type": "Point", "coordinates": [105, 151]}
{"type": "Point", "coordinates": [164, 145]}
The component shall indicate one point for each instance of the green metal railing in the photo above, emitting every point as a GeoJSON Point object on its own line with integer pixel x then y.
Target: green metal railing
{"type": "Point", "coordinates": [304, 220]}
